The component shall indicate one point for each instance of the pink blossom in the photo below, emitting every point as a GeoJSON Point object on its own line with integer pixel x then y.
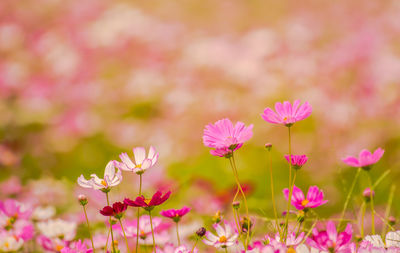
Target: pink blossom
{"type": "Point", "coordinates": [329, 240]}
{"type": "Point", "coordinates": [76, 247]}
{"type": "Point", "coordinates": [226, 236]}
{"type": "Point", "coordinates": [374, 243]}
{"type": "Point", "coordinates": [175, 214]}
{"type": "Point", "coordinates": [365, 158]}
{"type": "Point", "coordinates": [225, 137]}
{"type": "Point", "coordinates": [141, 164]}
{"type": "Point", "coordinates": [51, 244]}
{"type": "Point", "coordinates": [287, 114]}
{"type": "Point", "coordinates": [112, 177]}
{"type": "Point", "coordinates": [14, 209]}
{"type": "Point", "coordinates": [315, 197]}
{"type": "Point", "coordinates": [170, 248]}
{"type": "Point", "coordinates": [297, 160]}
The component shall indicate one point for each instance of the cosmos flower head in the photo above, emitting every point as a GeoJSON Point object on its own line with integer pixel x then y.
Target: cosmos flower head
{"type": "Point", "coordinates": [287, 114]}
{"type": "Point", "coordinates": [175, 214]}
{"type": "Point", "coordinates": [365, 159]}
{"type": "Point", "coordinates": [14, 209]}
{"type": "Point", "coordinates": [77, 247]}
{"type": "Point", "coordinates": [148, 204]}
{"type": "Point", "coordinates": [330, 240]}
{"type": "Point", "coordinates": [315, 197]}
{"type": "Point", "coordinates": [141, 163]}
{"type": "Point", "coordinates": [117, 210]}
{"type": "Point", "coordinates": [225, 137]}
{"type": "Point", "coordinates": [112, 177]}
{"type": "Point", "coordinates": [10, 243]}
{"type": "Point", "coordinates": [297, 160]}
{"type": "Point", "coordinates": [374, 243]}
{"type": "Point", "coordinates": [226, 236]}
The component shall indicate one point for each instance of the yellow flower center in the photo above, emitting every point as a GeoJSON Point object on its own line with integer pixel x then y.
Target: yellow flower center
{"type": "Point", "coordinates": [138, 166]}
{"type": "Point", "coordinates": [104, 183]}
{"type": "Point", "coordinates": [291, 250]}
{"type": "Point", "coordinates": [222, 239]}
{"type": "Point", "coordinates": [6, 245]}
{"type": "Point", "coordinates": [147, 201]}
{"type": "Point", "coordinates": [285, 118]}
{"type": "Point", "coordinates": [59, 247]}
{"type": "Point", "coordinates": [142, 232]}
{"type": "Point", "coordinates": [305, 202]}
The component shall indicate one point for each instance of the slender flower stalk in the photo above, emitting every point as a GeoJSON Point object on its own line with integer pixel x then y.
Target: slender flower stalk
{"type": "Point", "coordinates": [177, 233]}
{"type": "Point", "coordinates": [268, 146]}
{"type": "Point", "coordinates": [363, 207]}
{"type": "Point", "coordinates": [346, 203]}
{"type": "Point", "coordinates": [152, 231]}
{"type": "Point", "coordinates": [83, 201]}
{"type": "Point", "coordinates": [372, 204]}
{"type": "Point", "coordinates": [111, 230]}
{"type": "Point", "coordinates": [138, 212]}
{"type": "Point", "coordinates": [290, 188]}
{"type": "Point", "coordinates": [123, 231]}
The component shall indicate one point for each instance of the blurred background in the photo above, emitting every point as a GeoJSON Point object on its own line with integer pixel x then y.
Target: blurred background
{"type": "Point", "coordinates": [83, 80]}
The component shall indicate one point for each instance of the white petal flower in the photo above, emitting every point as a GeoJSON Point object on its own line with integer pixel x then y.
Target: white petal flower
{"type": "Point", "coordinates": [112, 177]}
{"type": "Point", "coordinates": [141, 164]}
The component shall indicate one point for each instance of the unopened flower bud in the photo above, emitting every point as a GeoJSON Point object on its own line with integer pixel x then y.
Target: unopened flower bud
{"type": "Point", "coordinates": [391, 220]}
{"type": "Point", "coordinates": [217, 217]}
{"type": "Point", "coordinates": [301, 215]}
{"type": "Point", "coordinates": [268, 146]}
{"type": "Point", "coordinates": [82, 199]}
{"type": "Point", "coordinates": [245, 224]}
{"type": "Point", "coordinates": [368, 194]}
{"type": "Point", "coordinates": [358, 238]}
{"type": "Point", "coordinates": [201, 232]}
{"type": "Point", "coordinates": [236, 205]}
{"type": "Point", "coordinates": [113, 221]}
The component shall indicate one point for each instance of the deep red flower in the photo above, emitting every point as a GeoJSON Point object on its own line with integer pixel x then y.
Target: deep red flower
{"type": "Point", "coordinates": [148, 204]}
{"type": "Point", "coordinates": [117, 210]}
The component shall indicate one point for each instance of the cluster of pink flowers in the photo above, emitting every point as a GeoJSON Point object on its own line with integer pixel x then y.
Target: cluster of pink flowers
{"type": "Point", "coordinates": [131, 225]}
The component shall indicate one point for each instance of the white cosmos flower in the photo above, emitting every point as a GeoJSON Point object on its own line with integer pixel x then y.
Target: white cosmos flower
{"type": "Point", "coordinates": [57, 229]}
{"type": "Point", "coordinates": [141, 162]}
{"type": "Point", "coordinates": [43, 212]}
{"type": "Point", "coordinates": [112, 177]}
{"type": "Point", "coordinates": [226, 236]}
{"type": "Point", "coordinates": [10, 243]}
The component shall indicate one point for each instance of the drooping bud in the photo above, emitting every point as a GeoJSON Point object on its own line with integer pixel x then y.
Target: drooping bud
{"type": "Point", "coordinates": [236, 205]}
{"type": "Point", "coordinates": [268, 146]}
{"type": "Point", "coordinates": [391, 220]}
{"type": "Point", "coordinates": [82, 199]}
{"type": "Point", "coordinates": [201, 232]}
{"type": "Point", "coordinates": [368, 194]}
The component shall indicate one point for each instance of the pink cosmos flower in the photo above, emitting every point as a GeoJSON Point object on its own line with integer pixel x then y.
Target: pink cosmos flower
{"type": "Point", "coordinates": [170, 248]}
{"type": "Point", "coordinates": [291, 240]}
{"type": "Point", "coordinates": [287, 114]}
{"type": "Point", "coordinates": [315, 197]}
{"type": "Point", "coordinates": [226, 236]}
{"type": "Point", "coordinates": [225, 137]}
{"type": "Point", "coordinates": [148, 204]}
{"type": "Point", "coordinates": [297, 160]}
{"type": "Point", "coordinates": [77, 247]}
{"type": "Point", "coordinates": [141, 164]}
{"type": "Point", "coordinates": [112, 177]}
{"type": "Point", "coordinates": [330, 240]}
{"type": "Point", "coordinates": [14, 209]}
{"type": "Point", "coordinates": [51, 244]}
{"type": "Point", "coordinates": [365, 159]}
{"type": "Point", "coordinates": [175, 214]}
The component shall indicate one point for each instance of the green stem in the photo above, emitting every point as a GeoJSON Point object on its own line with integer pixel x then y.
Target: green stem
{"type": "Point", "coordinates": [111, 230]}
{"type": "Point", "coordinates": [388, 206]}
{"type": "Point", "coordinates": [290, 187]}
{"type": "Point", "coordinates": [372, 204]}
{"type": "Point", "coordinates": [108, 236]}
{"type": "Point", "coordinates": [123, 231]}
{"type": "Point", "coordinates": [152, 232]}
{"type": "Point", "coordinates": [226, 250]}
{"type": "Point", "coordinates": [362, 219]}
{"type": "Point", "coordinates": [346, 203]}
{"type": "Point", "coordinates": [138, 212]}
{"type": "Point", "coordinates": [194, 245]}
{"type": "Point", "coordinates": [87, 221]}
{"type": "Point", "coordinates": [177, 234]}
{"type": "Point", "coordinates": [273, 195]}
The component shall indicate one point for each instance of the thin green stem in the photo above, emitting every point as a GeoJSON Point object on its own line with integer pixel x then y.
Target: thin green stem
{"type": "Point", "coordinates": [346, 203]}
{"type": "Point", "coordinates": [123, 231]}
{"type": "Point", "coordinates": [194, 245]}
{"type": "Point", "coordinates": [290, 187]}
{"type": "Point", "coordinates": [152, 232]}
{"type": "Point", "coordinates": [372, 204]}
{"type": "Point", "coordinates": [137, 216]}
{"type": "Point", "coordinates": [226, 250]}
{"type": "Point", "coordinates": [87, 221]}
{"type": "Point", "coordinates": [388, 206]}
{"type": "Point", "coordinates": [273, 194]}
{"type": "Point", "coordinates": [177, 234]}
{"type": "Point", "coordinates": [108, 236]}
{"type": "Point", "coordinates": [362, 219]}
{"type": "Point", "coordinates": [111, 230]}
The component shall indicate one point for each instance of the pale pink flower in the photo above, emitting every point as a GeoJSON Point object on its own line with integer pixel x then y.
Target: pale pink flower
{"type": "Point", "coordinates": [374, 243]}
{"type": "Point", "coordinates": [297, 160]}
{"type": "Point", "coordinates": [315, 197]}
{"type": "Point", "coordinates": [287, 114]}
{"type": "Point", "coordinates": [330, 240]}
{"type": "Point", "coordinates": [226, 137]}
{"type": "Point", "coordinates": [112, 177]}
{"type": "Point", "coordinates": [141, 163]}
{"type": "Point", "coordinates": [51, 244]}
{"type": "Point", "coordinates": [14, 209]}
{"type": "Point", "coordinates": [226, 236]}
{"type": "Point", "coordinates": [365, 159]}
{"type": "Point", "coordinates": [9, 243]}
{"type": "Point", "coordinates": [291, 240]}
{"type": "Point", "coordinates": [170, 248]}
{"type": "Point", "coordinates": [77, 247]}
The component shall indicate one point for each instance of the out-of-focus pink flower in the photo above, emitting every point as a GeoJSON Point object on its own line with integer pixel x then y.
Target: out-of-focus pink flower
{"type": "Point", "coordinates": [117, 210]}
{"type": "Point", "coordinates": [170, 248]}
{"type": "Point", "coordinates": [226, 236]}
{"type": "Point", "coordinates": [51, 244]}
{"type": "Point", "coordinates": [9, 243]}
{"type": "Point", "coordinates": [148, 204]}
{"type": "Point", "coordinates": [365, 159]}
{"type": "Point", "coordinates": [225, 137]}
{"type": "Point", "coordinates": [112, 177]}
{"type": "Point", "coordinates": [315, 197]}
{"type": "Point", "coordinates": [11, 186]}
{"type": "Point", "coordinates": [297, 160]}
{"type": "Point", "coordinates": [175, 214]}
{"type": "Point", "coordinates": [329, 240]}
{"type": "Point", "coordinates": [291, 240]}
{"type": "Point", "coordinates": [77, 247]}
{"type": "Point", "coordinates": [57, 229]}
{"type": "Point", "coordinates": [374, 243]}
{"type": "Point", "coordinates": [368, 194]}
{"type": "Point", "coordinates": [141, 163]}
{"type": "Point", "coordinates": [14, 209]}
{"type": "Point", "coordinates": [287, 114]}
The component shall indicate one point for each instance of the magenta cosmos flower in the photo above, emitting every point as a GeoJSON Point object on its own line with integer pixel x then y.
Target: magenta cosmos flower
{"type": "Point", "coordinates": [315, 197]}
{"type": "Point", "coordinates": [330, 241]}
{"type": "Point", "coordinates": [175, 214]}
{"type": "Point", "coordinates": [225, 138]}
{"type": "Point", "coordinates": [148, 204]}
{"type": "Point", "coordinates": [365, 159]}
{"type": "Point", "coordinates": [117, 210]}
{"type": "Point", "coordinates": [297, 160]}
{"type": "Point", "coordinates": [142, 162]}
{"type": "Point", "coordinates": [286, 113]}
